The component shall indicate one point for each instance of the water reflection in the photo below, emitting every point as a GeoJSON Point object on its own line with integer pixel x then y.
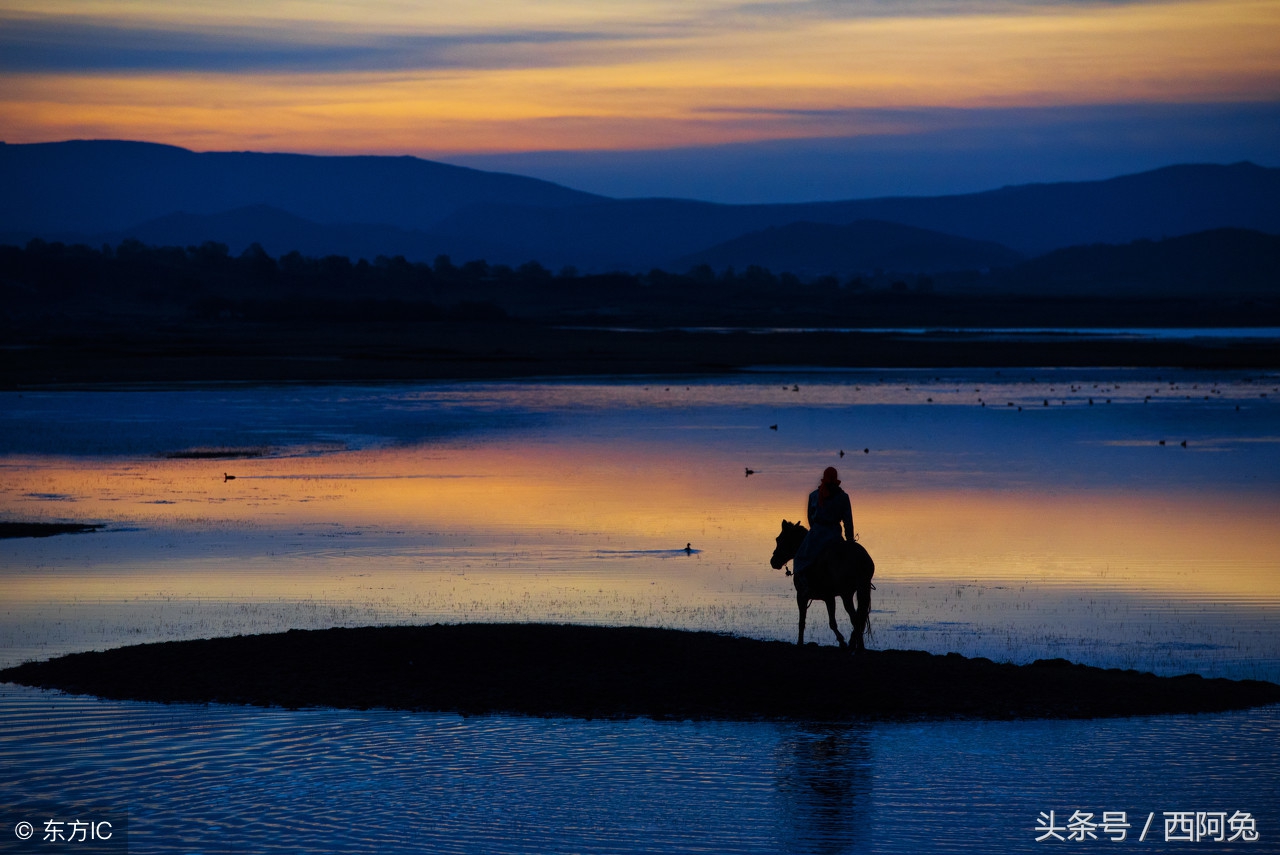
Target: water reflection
{"type": "Point", "coordinates": [1009, 517]}
{"type": "Point", "coordinates": [235, 779]}
{"type": "Point", "coordinates": [824, 783]}
{"type": "Point", "coordinates": [1014, 530]}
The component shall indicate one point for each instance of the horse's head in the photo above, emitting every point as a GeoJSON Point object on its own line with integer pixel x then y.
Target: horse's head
{"type": "Point", "coordinates": [787, 544]}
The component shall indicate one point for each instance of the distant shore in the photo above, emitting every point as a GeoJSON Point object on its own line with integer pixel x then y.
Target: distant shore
{"type": "Point", "coordinates": [393, 351]}
{"type": "Point", "coordinates": [601, 672]}
{"type": "Point", "coordinates": [38, 529]}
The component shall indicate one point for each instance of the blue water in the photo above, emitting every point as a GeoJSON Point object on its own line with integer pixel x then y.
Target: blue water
{"type": "Point", "coordinates": [1224, 334]}
{"type": "Point", "coordinates": [227, 779]}
{"type": "Point", "coordinates": [211, 560]}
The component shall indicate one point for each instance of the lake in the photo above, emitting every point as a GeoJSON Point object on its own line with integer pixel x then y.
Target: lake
{"type": "Point", "coordinates": [1015, 514]}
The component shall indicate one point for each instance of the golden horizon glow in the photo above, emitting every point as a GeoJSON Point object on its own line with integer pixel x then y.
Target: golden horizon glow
{"type": "Point", "coordinates": [566, 76]}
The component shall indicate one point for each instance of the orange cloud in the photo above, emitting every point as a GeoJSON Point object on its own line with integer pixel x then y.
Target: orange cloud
{"type": "Point", "coordinates": [568, 78]}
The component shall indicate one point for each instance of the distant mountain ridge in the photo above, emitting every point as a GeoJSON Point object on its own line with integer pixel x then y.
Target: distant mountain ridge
{"type": "Point", "coordinates": [1030, 219]}
{"type": "Point", "coordinates": [1217, 261]}
{"type": "Point", "coordinates": [93, 186]}
{"type": "Point", "coordinates": [97, 191]}
{"type": "Point", "coordinates": [815, 249]}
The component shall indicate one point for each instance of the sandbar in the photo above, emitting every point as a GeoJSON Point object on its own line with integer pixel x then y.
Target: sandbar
{"type": "Point", "coordinates": [596, 672]}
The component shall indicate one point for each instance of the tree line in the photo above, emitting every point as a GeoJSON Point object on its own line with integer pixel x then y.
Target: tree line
{"type": "Point", "coordinates": [49, 281]}
{"type": "Point", "coordinates": [209, 281]}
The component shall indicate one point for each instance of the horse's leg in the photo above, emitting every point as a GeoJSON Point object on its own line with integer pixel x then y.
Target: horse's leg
{"type": "Point", "coordinates": [803, 603]}
{"type": "Point", "coordinates": [863, 613]}
{"type": "Point", "coordinates": [856, 638]}
{"type": "Point", "coordinates": [831, 615]}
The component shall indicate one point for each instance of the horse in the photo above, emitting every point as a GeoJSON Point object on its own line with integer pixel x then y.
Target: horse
{"type": "Point", "coordinates": [842, 571]}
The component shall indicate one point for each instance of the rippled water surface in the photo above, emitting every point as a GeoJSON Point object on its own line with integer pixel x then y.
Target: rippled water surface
{"type": "Point", "coordinates": [1015, 515]}
{"type": "Point", "coordinates": [225, 779]}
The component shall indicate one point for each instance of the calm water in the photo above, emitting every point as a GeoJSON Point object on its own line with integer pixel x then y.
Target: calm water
{"type": "Point", "coordinates": [1016, 515]}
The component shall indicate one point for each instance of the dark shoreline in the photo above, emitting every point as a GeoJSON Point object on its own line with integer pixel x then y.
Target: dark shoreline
{"type": "Point", "coordinates": [407, 352]}
{"type": "Point", "coordinates": [35, 529]}
{"type": "Point", "coordinates": [617, 673]}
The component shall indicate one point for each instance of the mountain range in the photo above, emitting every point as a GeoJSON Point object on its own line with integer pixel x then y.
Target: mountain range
{"type": "Point", "coordinates": [106, 191]}
{"type": "Point", "coordinates": [816, 249]}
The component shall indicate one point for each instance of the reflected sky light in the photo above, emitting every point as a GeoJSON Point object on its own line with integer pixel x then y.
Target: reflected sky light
{"type": "Point", "coordinates": [593, 506]}
{"type": "Point", "coordinates": [578, 492]}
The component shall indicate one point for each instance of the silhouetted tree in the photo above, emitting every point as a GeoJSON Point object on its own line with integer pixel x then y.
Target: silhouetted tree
{"type": "Point", "coordinates": [295, 265]}
{"type": "Point", "coordinates": [759, 277]}
{"type": "Point", "coordinates": [533, 272]}
{"type": "Point", "coordinates": [129, 248]}
{"type": "Point", "coordinates": [702, 273]}
{"type": "Point", "coordinates": [475, 270]}
{"type": "Point", "coordinates": [336, 272]}
{"type": "Point", "coordinates": [255, 261]}
{"type": "Point", "coordinates": [210, 255]}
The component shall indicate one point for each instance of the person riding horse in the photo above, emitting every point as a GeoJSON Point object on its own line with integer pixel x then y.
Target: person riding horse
{"type": "Point", "coordinates": [828, 565]}
{"type": "Point", "coordinates": [829, 507]}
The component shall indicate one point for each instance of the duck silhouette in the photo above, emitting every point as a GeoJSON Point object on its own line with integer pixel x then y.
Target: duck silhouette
{"type": "Point", "coordinates": [750, 472]}
{"type": "Point", "coordinates": [688, 549]}
{"type": "Point", "coordinates": [226, 477]}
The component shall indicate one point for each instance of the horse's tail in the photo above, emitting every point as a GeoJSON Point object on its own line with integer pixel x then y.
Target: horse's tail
{"type": "Point", "coordinates": [863, 569]}
{"type": "Point", "coordinates": [862, 614]}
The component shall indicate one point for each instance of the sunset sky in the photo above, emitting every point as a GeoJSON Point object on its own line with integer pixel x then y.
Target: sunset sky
{"type": "Point", "coordinates": [732, 100]}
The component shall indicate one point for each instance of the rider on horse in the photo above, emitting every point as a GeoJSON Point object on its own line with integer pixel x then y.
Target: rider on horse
{"type": "Point", "coordinates": [828, 507]}
{"type": "Point", "coordinates": [828, 565]}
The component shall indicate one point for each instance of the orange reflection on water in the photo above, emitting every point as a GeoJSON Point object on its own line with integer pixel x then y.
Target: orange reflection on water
{"type": "Point", "coordinates": [593, 500]}
{"type": "Point", "coordinates": [1191, 545]}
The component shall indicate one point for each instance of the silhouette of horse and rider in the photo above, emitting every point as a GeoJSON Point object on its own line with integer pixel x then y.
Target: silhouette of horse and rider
{"type": "Point", "coordinates": [828, 565]}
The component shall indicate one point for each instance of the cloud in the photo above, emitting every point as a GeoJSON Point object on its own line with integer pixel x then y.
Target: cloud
{"type": "Point", "coordinates": [838, 10]}
{"type": "Point", "coordinates": [59, 45]}
{"type": "Point", "coordinates": [521, 75]}
{"type": "Point", "coordinates": [178, 40]}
